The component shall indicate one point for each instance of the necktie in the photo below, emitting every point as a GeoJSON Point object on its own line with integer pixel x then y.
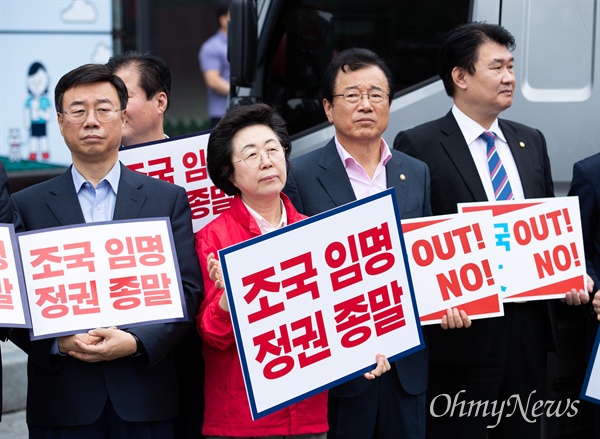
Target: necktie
{"type": "Point", "coordinates": [502, 189]}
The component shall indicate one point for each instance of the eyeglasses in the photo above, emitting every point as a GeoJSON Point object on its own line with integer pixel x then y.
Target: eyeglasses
{"type": "Point", "coordinates": [353, 97]}
{"type": "Point", "coordinates": [253, 159]}
{"type": "Point", "coordinates": [103, 114]}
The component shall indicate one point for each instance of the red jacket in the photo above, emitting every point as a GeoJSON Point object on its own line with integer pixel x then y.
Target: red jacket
{"type": "Point", "coordinates": [227, 412]}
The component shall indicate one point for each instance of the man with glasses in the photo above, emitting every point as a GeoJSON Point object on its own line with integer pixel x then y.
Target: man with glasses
{"type": "Point", "coordinates": [356, 163]}
{"type": "Point", "coordinates": [108, 382]}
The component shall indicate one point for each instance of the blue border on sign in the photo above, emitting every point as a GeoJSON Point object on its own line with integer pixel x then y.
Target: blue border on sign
{"type": "Point", "coordinates": [593, 359]}
{"type": "Point", "coordinates": [234, 317]}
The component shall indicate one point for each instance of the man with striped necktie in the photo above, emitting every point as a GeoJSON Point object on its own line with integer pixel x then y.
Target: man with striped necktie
{"type": "Point", "coordinates": [474, 156]}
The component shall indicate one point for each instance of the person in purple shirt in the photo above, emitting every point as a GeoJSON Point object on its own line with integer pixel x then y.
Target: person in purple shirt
{"type": "Point", "coordinates": [215, 66]}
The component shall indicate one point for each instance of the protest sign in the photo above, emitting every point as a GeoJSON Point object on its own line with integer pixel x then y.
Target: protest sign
{"type": "Point", "coordinates": [453, 264]}
{"type": "Point", "coordinates": [314, 302]}
{"type": "Point", "coordinates": [541, 246]}
{"type": "Point", "coordinates": [181, 160]}
{"type": "Point", "coordinates": [591, 384]}
{"type": "Point", "coordinates": [14, 311]}
{"type": "Point", "coordinates": [117, 273]}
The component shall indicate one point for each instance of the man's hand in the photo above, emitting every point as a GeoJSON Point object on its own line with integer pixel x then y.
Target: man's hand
{"type": "Point", "coordinates": [113, 343]}
{"type": "Point", "coordinates": [576, 298]}
{"type": "Point", "coordinates": [596, 304]}
{"type": "Point", "coordinates": [383, 365]}
{"type": "Point", "coordinates": [67, 343]}
{"type": "Point", "coordinates": [455, 319]}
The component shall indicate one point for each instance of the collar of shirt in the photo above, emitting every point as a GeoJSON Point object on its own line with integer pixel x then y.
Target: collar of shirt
{"type": "Point", "coordinates": [264, 225]}
{"type": "Point", "coordinates": [362, 184]}
{"type": "Point", "coordinates": [97, 204]}
{"type": "Point", "coordinates": [472, 130]}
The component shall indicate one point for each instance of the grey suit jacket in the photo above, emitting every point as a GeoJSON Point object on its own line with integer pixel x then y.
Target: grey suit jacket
{"type": "Point", "coordinates": [64, 391]}
{"type": "Point", "coordinates": [317, 182]}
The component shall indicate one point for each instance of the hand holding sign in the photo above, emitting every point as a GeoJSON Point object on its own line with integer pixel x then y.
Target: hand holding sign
{"type": "Point", "coordinates": [596, 304]}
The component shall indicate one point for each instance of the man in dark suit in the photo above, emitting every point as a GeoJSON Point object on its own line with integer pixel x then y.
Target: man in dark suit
{"type": "Point", "coordinates": [586, 185]}
{"type": "Point", "coordinates": [109, 382]}
{"type": "Point", "coordinates": [357, 87]}
{"type": "Point", "coordinates": [6, 216]}
{"type": "Point", "coordinates": [496, 358]}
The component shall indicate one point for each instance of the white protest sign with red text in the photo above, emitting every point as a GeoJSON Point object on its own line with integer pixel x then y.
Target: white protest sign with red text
{"type": "Point", "coordinates": [181, 160]}
{"type": "Point", "coordinates": [13, 298]}
{"type": "Point", "coordinates": [540, 246]}
{"type": "Point", "coordinates": [453, 264]}
{"type": "Point", "coordinates": [117, 273]}
{"type": "Point", "coordinates": [314, 302]}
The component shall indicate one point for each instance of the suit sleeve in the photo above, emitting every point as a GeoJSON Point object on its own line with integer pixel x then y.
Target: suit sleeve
{"type": "Point", "coordinates": [212, 322]}
{"type": "Point", "coordinates": [159, 339]}
{"type": "Point", "coordinates": [427, 184]}
{"type": "Point", "coordinates": [549, 184]}
{"type": "Point", "coordinates": [6, 210]}
{"type": "Point", "coordinates": [291, 190]}
{"type": "Point", "coordinates": [403, 143]}
{"type": "Point", "coordinates": [582, 186]}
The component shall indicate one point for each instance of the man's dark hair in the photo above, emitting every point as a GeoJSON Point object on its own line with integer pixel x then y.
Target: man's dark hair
{"type": "Point", "coordinates": [220, 147]}
{"type": "Point", "coordinates": [352, 60]}
{"type": "Point", "coordinates": [222, 9]}
{"type": "Point", "coordinates": [154, 73]}
{"type": "Point", "coordinates": [461, 45]}
{"type": "Point", "coordinates": [87, 74]}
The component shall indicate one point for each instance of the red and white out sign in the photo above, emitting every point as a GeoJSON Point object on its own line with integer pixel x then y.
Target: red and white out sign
{"type": "Point", "coordinates": [453, 263]}
{"type": "Point", "coordinates": [117, 273]}
{"type": "Point", "coordinates": [539, 244]}
{"type": "Point", "coordinates": [181, 160]}
{"type": "Point", "coordinates": [13, 300]}
{"type": "Point", "coordinates": [314, 302]}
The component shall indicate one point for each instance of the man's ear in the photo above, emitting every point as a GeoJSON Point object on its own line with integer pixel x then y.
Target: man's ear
{"type": "Point", "coordinates": [328, 107]}
{"type": "Point", "coordinates": [458, 77]}
{"type": "Point", "coordinates": [61, 118]}
{"type": "Point", "coordinates": [162, 101]}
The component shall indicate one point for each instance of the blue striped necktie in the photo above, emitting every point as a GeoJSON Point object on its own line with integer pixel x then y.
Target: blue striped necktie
{"type": "Point", "coordinates": [502, 189]}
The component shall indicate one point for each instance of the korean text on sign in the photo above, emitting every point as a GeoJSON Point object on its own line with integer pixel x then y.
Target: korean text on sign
{"type": "Point", "coordinates": [118, 273]}
{"type": "Point", "coordinates": [325, 296]}
{"type": "Point", "coordinates": [14, 312]}
{"type": "Point", "coordinates": [181, 161]}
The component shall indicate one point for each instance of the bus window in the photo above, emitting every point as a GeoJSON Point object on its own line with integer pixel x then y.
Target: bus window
{"type": "Point", "coordinates": [308, 33]}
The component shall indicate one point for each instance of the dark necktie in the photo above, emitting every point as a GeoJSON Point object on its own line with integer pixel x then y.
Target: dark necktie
{"type": "Point", "coordinates": [502, 189]}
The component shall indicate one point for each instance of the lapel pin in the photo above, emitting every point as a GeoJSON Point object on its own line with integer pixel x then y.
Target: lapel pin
{"type": "Point", "coordinates": [402, 177]}
{"type": "Point", "coordinates": [522, 144]}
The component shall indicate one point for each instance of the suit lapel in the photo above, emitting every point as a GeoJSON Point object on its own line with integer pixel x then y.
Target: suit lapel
{"type": "Point", "coordinates": [393, 170]}
{"type": "Point", "coordinates": [333, 176]}
{"type": "Point", "coordinates": [522, 160]}
{"type": "Point", "coordinates": [63, 201]}
{"type": "Point", "coordinates": [458, 151]}
{"type": "Point", "coordinates": [130, 198]}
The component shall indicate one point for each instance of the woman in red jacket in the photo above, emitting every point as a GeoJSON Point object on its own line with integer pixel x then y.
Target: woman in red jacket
{"type": "Point", "coordinates": [247, 157]}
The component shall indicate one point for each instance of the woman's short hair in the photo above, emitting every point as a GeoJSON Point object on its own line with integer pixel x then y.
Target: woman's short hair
{"type": "Point", "coordinates": [220, 147]}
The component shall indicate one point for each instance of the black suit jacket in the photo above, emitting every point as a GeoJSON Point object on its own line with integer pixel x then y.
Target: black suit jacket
{"type": "Point", "coordinates": [586, 185]}
{"type": "Point", "coordinates": [6, 216]}
{"type": "Point", "coordinates": [64, 391]}
{"type": "Point", "coordinates": [454, 179]}
{"type": "Point", "coordinates": [317, 182]}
